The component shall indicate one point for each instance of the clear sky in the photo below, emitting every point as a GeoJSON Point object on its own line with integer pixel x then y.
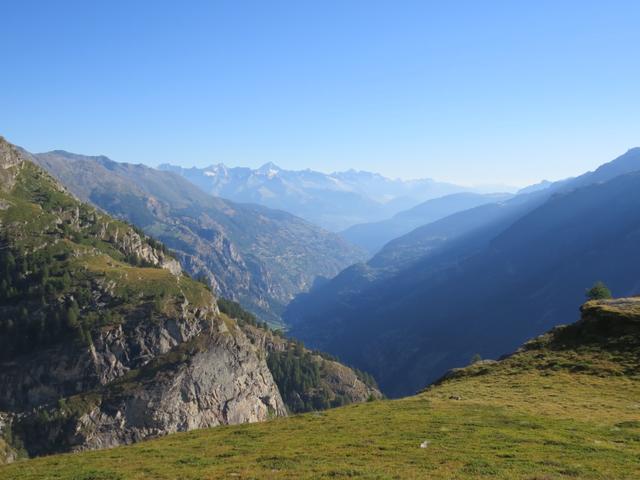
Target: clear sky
{"type": "Point", "coordinates": [469, 91]}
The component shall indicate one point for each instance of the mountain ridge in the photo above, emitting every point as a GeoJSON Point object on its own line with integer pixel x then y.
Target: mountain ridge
{"type": "Point", "coordinates": [250, 253]}
{"type": "Point", "coordinates": [334, 201]}
{"type": "Point", "coordinates": [373, 236]}
{"type": "Point", "coordinates": [104, 341]}
{"type": "Point", "coordinates": [511, 263]}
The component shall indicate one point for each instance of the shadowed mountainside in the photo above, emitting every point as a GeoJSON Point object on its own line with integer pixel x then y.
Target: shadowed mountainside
{"type": "Point", "coordinates": [372, 236]}
{"type": "Point", "coordinates": [480, 281]}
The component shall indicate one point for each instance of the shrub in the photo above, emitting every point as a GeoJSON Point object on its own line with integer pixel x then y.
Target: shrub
{"type": "Point", "coordinates": [599, 291]}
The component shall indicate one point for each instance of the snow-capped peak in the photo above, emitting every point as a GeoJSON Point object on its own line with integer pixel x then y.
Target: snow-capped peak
{"type": "Point", "coordinates": [216, 170]}
{"type": "Point", "coordinates": [269, 169]}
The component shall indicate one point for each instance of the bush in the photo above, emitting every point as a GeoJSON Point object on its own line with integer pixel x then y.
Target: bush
{"type": "Point", "coordinates": [599, 291]}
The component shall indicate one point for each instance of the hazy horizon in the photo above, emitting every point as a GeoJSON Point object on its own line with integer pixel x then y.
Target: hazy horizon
{"type": "Point", "coordinates": [203, 165]}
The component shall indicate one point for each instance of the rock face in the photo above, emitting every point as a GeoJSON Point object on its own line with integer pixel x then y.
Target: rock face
{"type": "Point", "coordinates": [8, 453]}
{"type": "Point", "coordinates": [346, 383]}
{"type": "Point", "coordinates": [216, 378]}
{"type": "Point", "coordinates": [64, 370]}
{"type": "Point", "coordinates": [103, 341]}
{"type": "Point", "coordinates": [224, 382]}
{"type": "Point", "coordinates": [9, 164]}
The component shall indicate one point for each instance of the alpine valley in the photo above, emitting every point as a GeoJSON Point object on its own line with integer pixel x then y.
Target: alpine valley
{"type": "Point", "coordinates": [319, 240]}
{"type": "Point", "coordinates": [480, 281]}
{"type": "Point", "coordinates": [141, 314]}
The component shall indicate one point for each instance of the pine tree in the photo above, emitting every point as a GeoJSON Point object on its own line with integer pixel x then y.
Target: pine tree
{"type": "Point", "coordinates": [72, 315]}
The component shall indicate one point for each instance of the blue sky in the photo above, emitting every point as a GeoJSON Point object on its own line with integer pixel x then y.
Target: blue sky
{"type": "Point", "coordinates": [469, 91]}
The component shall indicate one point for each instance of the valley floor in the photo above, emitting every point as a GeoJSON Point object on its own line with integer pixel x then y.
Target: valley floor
{"type": "Point", "coordinates": [509, 424]}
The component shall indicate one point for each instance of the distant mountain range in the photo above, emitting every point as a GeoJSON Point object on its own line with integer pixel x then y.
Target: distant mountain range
{"type": "Point", "coordinates": [481, 280]}
{"type": "Point", "coordinates": [334, 201]}
{"type": "Point", "coordinates": [256, 255]}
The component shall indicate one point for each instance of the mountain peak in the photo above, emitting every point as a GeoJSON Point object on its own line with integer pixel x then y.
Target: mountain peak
{"type": "Point", "coordinates": [269, 166]}
{"type": "Point", "coordinates": [536, 187]}
{"type": "Point", "coordinates": [219, 169]}
{"type": "Point", "coordinates": [269, 169]}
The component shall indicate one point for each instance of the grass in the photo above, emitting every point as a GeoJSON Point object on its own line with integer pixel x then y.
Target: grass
{"type": "Point", "coordinates": [157, 283]}
{"type": "Point", "coordinates": [531, 416]}
{"type": "Point", "coordinates": [41, 217]}
{"type": "Point", "coordinates": [526, 431]}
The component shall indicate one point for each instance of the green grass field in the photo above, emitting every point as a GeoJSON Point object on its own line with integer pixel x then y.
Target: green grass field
{"type": "Point", "coordinates": [556, 410]}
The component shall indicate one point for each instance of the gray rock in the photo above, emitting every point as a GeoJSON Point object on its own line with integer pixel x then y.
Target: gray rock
{"type": "Point", "coordinates": [216, 378]}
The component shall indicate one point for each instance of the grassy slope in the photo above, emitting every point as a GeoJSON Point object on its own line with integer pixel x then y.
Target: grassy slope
{"type": "Point", "coordinates": [566, 406]}
{"type": "Point", "coordinates": [39, 219]}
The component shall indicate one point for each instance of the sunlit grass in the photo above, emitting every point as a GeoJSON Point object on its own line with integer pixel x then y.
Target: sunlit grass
{"type": "Point", "coordinates": [515, 421]}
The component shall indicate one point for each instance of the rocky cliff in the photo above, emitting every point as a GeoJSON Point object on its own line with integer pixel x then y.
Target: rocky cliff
{"type": "Point", "coordinates": [214, 379]}
{"type": "Point", "coordinates": [103, 341]}
{"type": "Point", "coordinates": [64, 369]}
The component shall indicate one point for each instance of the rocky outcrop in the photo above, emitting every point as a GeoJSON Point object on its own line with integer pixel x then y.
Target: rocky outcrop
{"type": "Point", "coordinates": [138, 383]}
{"type": "Point", "coordinates": [69, 369]}
{"type": "Point", "coordinates": [10, 160]}
{"type": "Point", "coordinates": [608, 329]}
{"type": "Point", "coordinates": [216, 378]}
{"type": "Point", "coordinates": [132, 243]}
{"type": "Point", "coordinates": [345, 383]}
{"type": "Point", "coordinates": [8, 453]}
